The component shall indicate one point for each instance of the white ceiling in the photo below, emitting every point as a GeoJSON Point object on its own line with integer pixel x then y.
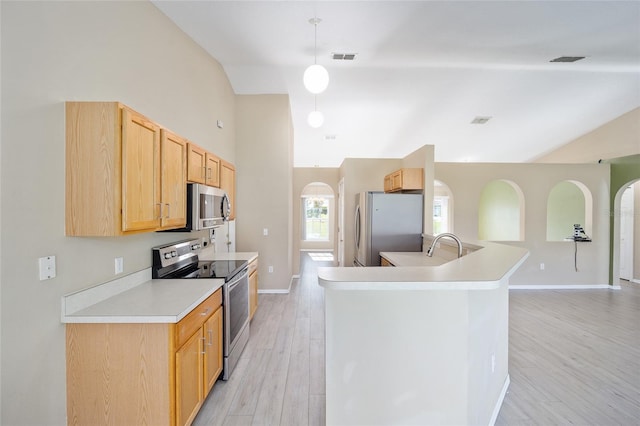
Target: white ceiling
{"type": "Point", "coordinates": [425, 69]}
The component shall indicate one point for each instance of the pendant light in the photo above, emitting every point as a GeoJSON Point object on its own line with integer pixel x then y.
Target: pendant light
{"type": "Point", "coordinates": [316, 77]}
{"type": "Point", "coordinates": [315, 118]}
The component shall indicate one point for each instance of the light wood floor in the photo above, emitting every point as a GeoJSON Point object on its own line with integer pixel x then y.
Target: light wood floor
{"type": "Point", "coordinates": [574, 358]}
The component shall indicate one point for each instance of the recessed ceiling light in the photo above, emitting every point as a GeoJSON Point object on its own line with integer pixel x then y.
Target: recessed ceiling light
{"type": "Point", "coordinates": [480, 120]}
{"type": "Point", "coordinates": [343, 56]}
{"type": "Point", "coordinates": [567, 59]}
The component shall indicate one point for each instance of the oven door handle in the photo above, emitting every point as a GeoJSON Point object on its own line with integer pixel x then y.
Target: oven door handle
{"type": "Point", "coordinates": [237, 278]}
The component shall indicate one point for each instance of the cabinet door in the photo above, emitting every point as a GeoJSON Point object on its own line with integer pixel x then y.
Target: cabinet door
{"type": "Point", "coordinates": [212, 350]}
{"type": "Point", "coordinates": [196, 164]}
{"type": "Point", "coordinates": [173, 162]}
{"type": "Point", "coordinates": [228, 183]}
{"type": "Point", "coordinates": [253, 293]}
{"type": "Point", "coordinates": [189, 379]}
{"type": "Point", "coordinates": [140, 172]}
{"type": "Point", "coordinates": [212, 170]}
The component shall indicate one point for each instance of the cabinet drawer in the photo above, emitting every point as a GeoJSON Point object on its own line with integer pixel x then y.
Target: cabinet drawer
{"type": "Point", "coordinates": [194, 319]}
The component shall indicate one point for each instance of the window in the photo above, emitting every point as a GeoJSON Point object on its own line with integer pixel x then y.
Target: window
{"type": "Point", "coordinates": [315, 211]}
{"type": "Point", "coordinates": [440, 215]}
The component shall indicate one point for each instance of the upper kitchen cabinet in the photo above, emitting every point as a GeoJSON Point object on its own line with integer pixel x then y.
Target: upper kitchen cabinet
{"type": "Point", "coordinates": [204, 167]}
{"type": "Point", "coordinates": [404, 180]}
{"type": "Point", "coordinates": [173, 161]}
{"type": "Point", "coordinates": [228, 184]}
{"type": "Point", "coordinates": [114, 172]}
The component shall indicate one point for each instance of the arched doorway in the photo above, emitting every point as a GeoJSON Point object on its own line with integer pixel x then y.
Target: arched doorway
{"type": "Point", "coordinates": [626, 234]}
{"type": "Point", "coordinates": [317, 219]}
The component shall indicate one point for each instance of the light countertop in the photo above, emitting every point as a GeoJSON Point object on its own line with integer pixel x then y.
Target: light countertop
{"type": "Point", "coordinates": [154, 301]}
{"type": "Point", "coordinates": [209, 254]}
{"type": "Point", "coordinates": [479, 270]}
{"type": "Point", "coordinates": [136, 298]}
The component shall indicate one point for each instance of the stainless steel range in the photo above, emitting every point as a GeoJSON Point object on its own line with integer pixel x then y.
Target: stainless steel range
{"type": "Point", "coordinates": [180, 260]}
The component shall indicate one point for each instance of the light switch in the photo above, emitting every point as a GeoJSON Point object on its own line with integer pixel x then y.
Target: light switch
{"type": "Point", "coordinates": [47, 267]}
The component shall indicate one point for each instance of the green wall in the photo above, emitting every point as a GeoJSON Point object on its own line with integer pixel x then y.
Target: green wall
{"type": "Point", "coordinates": [565, 207]}
{"type": "Point", "coordinates": [499, 213]}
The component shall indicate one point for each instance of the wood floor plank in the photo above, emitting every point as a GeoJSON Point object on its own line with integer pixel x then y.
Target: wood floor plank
{"type": "Point", "coordinates": [574, 359]}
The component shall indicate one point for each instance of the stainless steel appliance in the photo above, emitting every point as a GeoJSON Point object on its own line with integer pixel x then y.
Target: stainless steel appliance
{"type": "Point", "coordinates": [180, 260]}
{"type": "Point", "coordinates": [386, 222]}
{"type": "Point", "coordinates": [207, 207]}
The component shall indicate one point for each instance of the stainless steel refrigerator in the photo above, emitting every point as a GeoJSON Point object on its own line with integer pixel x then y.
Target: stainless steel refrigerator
{"type": "Point", "coordinates": [386, 222]}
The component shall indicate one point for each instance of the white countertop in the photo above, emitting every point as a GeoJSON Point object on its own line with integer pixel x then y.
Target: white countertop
{"type": "Point", "coordinates": [207, 254]}
{"type": "Point", "coordinates": [138, 299]}
{"type": "Point", "coordinates": [154, 301]}
{"type": "Point", "coordinates": [479, 270]}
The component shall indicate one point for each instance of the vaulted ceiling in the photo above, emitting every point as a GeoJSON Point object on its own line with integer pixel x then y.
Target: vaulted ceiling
{"type": "Point", "coordinates": [425, 69]}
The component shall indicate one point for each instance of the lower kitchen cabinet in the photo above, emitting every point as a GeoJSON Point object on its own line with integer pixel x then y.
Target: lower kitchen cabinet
{"type": "Point", "coordinates": [144, 374]}
{"type": "Point", "coordinates": [253, 288]}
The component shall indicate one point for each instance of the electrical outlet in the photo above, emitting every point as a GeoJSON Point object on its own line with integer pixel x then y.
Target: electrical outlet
{"type": "Point", "coordinates": [270, 269]}
{"type": "Point", "coordinates": [119, 265]}
{"type": "Point", "coordinates": [265, 231]}
{"type": "Point", "coordinates": [542, 266]}
{"type": "Point", "coordinates": [493, 363]}
{"type": "Point", "coordinates": [47, 267]}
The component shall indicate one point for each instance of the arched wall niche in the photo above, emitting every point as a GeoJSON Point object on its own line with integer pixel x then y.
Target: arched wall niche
{"type": "Point", "coordinates": [569, 202]}
{"type": "Point", "coordinates": [501, 212]}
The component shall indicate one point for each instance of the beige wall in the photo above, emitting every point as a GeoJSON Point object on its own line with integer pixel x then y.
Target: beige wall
{"type": "Point", "coordinates": [264, 185]}
{"type": "Point", "coordinates": [58, 51]}
{"type": "Point", "coordinates": [466, 182]}
{"type": "Point", "coordinates": [423, 158]}
{"type": "Point", "coordinates": [302, 176]}
{"type": "Point", "coordinates": [618, 138]}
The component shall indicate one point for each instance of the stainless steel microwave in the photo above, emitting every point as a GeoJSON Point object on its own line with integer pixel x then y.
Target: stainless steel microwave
{"type": "Point", "coordinates": [207, 207]}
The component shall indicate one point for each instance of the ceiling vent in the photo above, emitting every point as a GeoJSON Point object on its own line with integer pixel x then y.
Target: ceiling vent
{"type": "Point", "coordinates": [567, 59]}
{"type": "Point", "coordinates": [480, 120]}
{"type": "Point", "coordinates": [343, 56]}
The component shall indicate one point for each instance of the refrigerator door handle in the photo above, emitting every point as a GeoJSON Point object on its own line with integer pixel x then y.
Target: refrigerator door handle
{"type": "Point", "coordinates": [357, 227]}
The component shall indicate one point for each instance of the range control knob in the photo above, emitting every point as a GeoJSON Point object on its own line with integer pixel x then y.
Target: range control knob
{"type": "Point", "coordinates": [167, 255]}
{"type": "Point", "coordinates": [174, 253]}
{"type": "Point", "coordinates": [195, 247]}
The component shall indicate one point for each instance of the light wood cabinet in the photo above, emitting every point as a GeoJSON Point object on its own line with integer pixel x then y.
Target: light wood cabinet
{"type": "Point", "coordinates": [173, 161]}
{"type": "Point", "coordinates": [156, 374]}
{"type": "Point", "coordinates": [385, 262]}
{"type": "Point", "coordinates": [203, 166]}
{"type": "Point", "coordinates": [253, 288]}
{"type": "Point", "coordinates": [114, 173]}
{"type": "Point", "coordinates": [228, 184]}
{"type": "Point", "coordinates": [404, 180]}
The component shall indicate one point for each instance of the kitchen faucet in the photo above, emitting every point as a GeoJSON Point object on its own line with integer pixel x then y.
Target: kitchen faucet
{"type": "Point", "coordinates": [445, 234]}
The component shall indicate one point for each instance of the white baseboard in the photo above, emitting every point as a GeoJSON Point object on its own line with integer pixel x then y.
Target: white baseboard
{"type": "Point", "coordinates": [635, 281]}
{"type": "Point", "coordinates": [496, 408]}
{"type": "Point", "coordinates": [564, 287]}
{"type": "Point", "coordinates": [280, 290]}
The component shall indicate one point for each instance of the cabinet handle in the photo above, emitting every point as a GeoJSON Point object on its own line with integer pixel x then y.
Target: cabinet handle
{"type": "Point", "coordinates": [168, 210]}
{"type": "Point", "coordinates": [204, 342]}
{"type": "Point", "coordinates": [206, 311]}
{"type": "Point", "coordinates": [209, 172]}
{"type": "Point", "coordinates": [210, 338]}
{"type": "Point", "coordinates": [160, 215]}
{"type": "Point", "coordinates": [204, 172]}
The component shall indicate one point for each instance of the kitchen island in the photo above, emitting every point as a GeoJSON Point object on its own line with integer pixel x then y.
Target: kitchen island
{"type": "Point", "coordinates": [425, 344]}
